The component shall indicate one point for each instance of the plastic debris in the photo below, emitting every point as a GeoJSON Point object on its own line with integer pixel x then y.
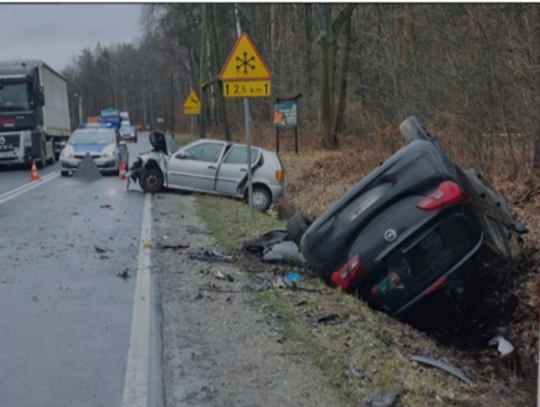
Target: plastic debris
{"type": "Point", "coordinates": [443, 366]}
{"type": "Point", "coordinates": [326, 319]}
{"type": "Point", "coordinates": [174, 246]}
{"type": "Point", "coordinates": [294, 277]}
{"type": "Point", "coordinates": [100, 249]}
{"type": "Point", "coordinates": [265, 275]}
{"type": "Point", "coordinates": [255, 287]}
{"type": "Point", "coordinates": [211, 255]}
{"type": "Point", "coordinates": [123, 274]}
{"type": "Point", "coordinates": [504, 347]}
{"type": "Point", "coordinates": [378, 399]}
{"type": "Point", "coordinates": [147, 244]}
{"type": "Point", "coordinates": [195, 229]}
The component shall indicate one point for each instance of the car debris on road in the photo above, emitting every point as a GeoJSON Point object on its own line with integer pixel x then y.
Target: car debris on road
{"type": "Point", "coordinates": [211, 256]}
{"type": "Point", "coordinates": [443, 366]}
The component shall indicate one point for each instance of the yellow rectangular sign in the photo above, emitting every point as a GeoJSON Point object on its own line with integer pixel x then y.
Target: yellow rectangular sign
{"type": "Point", "coordinates": [192, 110]}
{"type": "Point", "coordinates": [246, 89]}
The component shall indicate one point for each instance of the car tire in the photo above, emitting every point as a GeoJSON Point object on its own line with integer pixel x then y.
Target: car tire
{"type": "Point", "coordinates": [262, 199]}
{"type": "Point", "coordinates": [64, 173]}
{"type": "Point", "coordinates": [297, 226]}
{"type": "Point", "coordinates": [151, 180]}
{"type": "Point", "coordinates": [412, 129]}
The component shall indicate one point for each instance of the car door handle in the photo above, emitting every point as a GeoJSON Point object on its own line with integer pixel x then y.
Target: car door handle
{"type": "Point", "coordinates": [243, 169]}
{"type": "Point", "coordinates": [211, 167]}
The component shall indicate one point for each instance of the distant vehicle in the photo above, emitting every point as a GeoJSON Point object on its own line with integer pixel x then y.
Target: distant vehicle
{"type": "Point", "coordinates": [112, 117]}
{"type": "Point", "coordinates": [410, 231]}
{"type": "Point", "coordinates": [125, 117]}
{"type": "Point", "coordinates": [93, 119]}
{"type": "Point", "coordinates": [104, 145]}
{"type": "Point", "coordinates": [209, 166]}
{"type": "Point", "coordinates": [34, 113]}
{"type": "Point", "coordinates": [129, 132]}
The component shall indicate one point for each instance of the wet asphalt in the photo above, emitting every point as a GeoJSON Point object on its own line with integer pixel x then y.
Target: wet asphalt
{"type": "Point", "coordinates": [65, 315]}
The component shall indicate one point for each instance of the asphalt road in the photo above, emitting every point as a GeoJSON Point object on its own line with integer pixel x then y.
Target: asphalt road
{"type": "Point", "coordinates": [65, 315]}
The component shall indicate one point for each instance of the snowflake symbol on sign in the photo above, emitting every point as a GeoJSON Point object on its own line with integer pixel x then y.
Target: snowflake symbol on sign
{"type": "Point", "coordinates": [245, 63]}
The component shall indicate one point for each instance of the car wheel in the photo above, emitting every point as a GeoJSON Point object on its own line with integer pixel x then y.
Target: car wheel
{"type": "Point", "coordinates": [64, 173]}
{"type": "Point", "coordinates": [297, 226]}
{"type": "Point", "coordinates": [151, 180]}
{"type": "Point", "coordinates": [412, 129]}
{"type": "Point", "coordinates": [261, 199]}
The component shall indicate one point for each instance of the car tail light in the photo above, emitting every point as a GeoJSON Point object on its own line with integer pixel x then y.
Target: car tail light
{"type": "Point", "coordinates": [436, 285]}
{"type": "Point", "coordinates": [344, 277]}
{"type": "Point", "coordinates": [279, 175]}
{"type": "Point", "coordinates": [448, 194]}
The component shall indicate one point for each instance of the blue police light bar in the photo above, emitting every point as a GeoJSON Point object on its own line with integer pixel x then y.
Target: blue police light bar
{"type": "Point", "coordinates": [95, 125]}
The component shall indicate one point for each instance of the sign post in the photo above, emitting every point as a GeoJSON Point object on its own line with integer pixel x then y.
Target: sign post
{"type": "Point", "coordinates": [286, 118]}
{"type": "Point", "coordinates": [245, 75]}
{"type": "Point", "coordinates": [192, 106]}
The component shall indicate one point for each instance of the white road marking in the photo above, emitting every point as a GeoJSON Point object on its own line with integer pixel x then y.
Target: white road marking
{"type": "Point", "coordinates": [136, 384]}
{"type": "Point", "coordinates": [8, 196]}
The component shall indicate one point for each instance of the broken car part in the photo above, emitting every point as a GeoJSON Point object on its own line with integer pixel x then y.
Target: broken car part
{"type": "Point", "coordinates": [443, 366]}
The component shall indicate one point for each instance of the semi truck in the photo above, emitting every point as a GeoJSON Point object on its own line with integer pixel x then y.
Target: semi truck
{"type": "Point", "coordinates": [34, 113]}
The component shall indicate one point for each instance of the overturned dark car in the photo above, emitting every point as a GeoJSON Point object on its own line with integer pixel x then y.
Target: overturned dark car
{"type": "Point", "coordinates": [416, 227]}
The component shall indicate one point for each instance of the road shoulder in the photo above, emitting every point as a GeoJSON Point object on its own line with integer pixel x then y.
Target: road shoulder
{"type": "Point", "coordinates": [219, 347]}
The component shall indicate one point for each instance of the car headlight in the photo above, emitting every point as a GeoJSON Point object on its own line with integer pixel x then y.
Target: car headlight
{"type": "Point", "coordinates": [67, 154]}
{"type": "Point", "coordinates": [110, 153]}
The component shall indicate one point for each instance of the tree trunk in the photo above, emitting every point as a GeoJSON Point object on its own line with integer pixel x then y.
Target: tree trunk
{"type": "Point", "coordinates": [308, 72]}
{"type": "Point", "coordinates": [344, 82]}
{"type": "Point", "coordinates": [204, 72]}
{"type": "Point", "coordinates": [536, 96]}
{"type": "Point", "coordinates": [219, 62]}
{"type": "Point", "coordinates": [326, 115]}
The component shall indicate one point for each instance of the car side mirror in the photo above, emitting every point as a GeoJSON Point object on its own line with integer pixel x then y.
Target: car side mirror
{"type": "Point", "coordinates": [520, 228]}
{"type": "Point", "coordinates": [181, 155]}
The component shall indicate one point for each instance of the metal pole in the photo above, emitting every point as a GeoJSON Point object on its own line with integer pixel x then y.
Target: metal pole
{"type": "Point", "coordinates": [192, 125]}
{"type": "Point", "coordinates": [81, 120]}
{"type": "Point", "coordinates": [248, 127]}
{"type": "Point", "coordinates": [172, 105]}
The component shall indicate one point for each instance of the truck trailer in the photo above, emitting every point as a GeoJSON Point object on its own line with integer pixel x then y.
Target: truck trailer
{"type": "Point", "coordinates": [34, 113]}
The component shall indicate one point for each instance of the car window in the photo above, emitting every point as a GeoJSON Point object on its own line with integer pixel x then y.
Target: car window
{"type": "Point", "coordinates": [238, 155]}
{"type": "Point", "coordinates": [92, 137]}
{"type": "Point", "coordinates": [208, 152]}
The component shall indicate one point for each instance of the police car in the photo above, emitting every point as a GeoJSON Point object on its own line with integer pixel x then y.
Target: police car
{"type": "Point", "coordinates": [102, 142]}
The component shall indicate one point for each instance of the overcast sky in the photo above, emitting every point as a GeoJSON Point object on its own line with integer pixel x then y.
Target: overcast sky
{"type": "Point", "coordinates": [55, 33]}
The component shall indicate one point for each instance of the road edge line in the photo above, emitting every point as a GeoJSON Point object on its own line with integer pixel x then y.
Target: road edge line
{"type": "Point", "coordinates": [14, 193]}
{"type": "Point", "coordinates": [136, 382]}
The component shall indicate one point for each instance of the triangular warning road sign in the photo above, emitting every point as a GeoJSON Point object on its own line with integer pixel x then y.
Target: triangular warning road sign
{"type": "Point", "coordinates": [244, 63]}
{"type": "Point", "coordinates": [192, 101]}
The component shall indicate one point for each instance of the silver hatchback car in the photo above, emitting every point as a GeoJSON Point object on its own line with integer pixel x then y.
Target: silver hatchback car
{"type": "Point", "coordinates": [209, 166]}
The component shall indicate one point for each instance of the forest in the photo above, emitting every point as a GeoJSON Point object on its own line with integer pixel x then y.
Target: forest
{"type": "Point", "coordinates": [469, 70]}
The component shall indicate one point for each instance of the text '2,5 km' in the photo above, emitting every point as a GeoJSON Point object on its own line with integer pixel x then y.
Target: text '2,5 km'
{"type": "Point", "coordinates": [246, 89]}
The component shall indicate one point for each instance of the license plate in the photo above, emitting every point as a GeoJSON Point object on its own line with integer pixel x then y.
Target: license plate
{"type": "Point", "coordinates": [4, 154]}
{"type": "Point", "coordinates": [4, 148]}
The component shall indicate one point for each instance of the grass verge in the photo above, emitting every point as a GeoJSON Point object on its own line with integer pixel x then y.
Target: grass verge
{"type": "Point", "coordinates": [363, 351]}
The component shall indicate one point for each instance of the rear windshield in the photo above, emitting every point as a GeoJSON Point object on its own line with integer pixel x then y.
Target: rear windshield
{"type": "Point", "coordinates": [92, 137]}
{"type": "Point", "coordinates": [127, 129]}
{"type": "Point", "coordinates": [422, 262]}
